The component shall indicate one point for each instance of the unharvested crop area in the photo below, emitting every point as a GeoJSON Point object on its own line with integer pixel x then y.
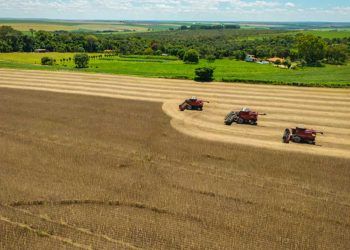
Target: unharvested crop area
{"type": "Point", "coordinates": [82, 171]}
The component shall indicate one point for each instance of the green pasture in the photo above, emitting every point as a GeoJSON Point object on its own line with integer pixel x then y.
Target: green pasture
{"type": "Point", "coordinates": [169, 67]}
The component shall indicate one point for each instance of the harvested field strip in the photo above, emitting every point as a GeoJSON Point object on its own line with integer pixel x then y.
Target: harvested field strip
{"type": "Point", "coordinates": [286, 106]}
{"type": "Point", "coordinates": [175, 89]}
{"type": "Point", "coordinates": [121, 89]}
{"type": "Point", "coordinates": [172, 82]}
{"type": "Point", "coordinates": [209, 94]}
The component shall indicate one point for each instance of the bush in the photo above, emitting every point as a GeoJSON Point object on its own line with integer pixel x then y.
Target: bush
{"type": "Point", "coordinates": [148, 51]}
{"type": "Point", "coordinates": [205, 74]}
{"type": "Point", "coordinates": [211, 58]}
{"type": "Point", "coordinates": [81, 60]}
{"type": "Point", "coordinates": [80, 49]}
{"type": "Point", "coordinates": [191, 56]}
{"type": "Point", "coordinates": [47, 61]}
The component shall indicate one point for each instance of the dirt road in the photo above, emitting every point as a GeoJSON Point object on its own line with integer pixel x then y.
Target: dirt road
{"type": "Point", "coordinates": [319, 108]}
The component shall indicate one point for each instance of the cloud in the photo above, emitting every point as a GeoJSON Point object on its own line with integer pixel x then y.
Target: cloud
{"type": "Point", "coordinates": [289, 4]}
{"type": "Point", "coordinates": [259, 10]}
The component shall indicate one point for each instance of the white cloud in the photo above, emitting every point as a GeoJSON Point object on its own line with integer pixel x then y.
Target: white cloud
{"type": "Point", "coordinates": [259, 10]}
{"type": "Point", "coordinates": [289, 4]}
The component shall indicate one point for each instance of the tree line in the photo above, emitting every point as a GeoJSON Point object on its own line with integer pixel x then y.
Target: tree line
{"type": "Point", "coordinates": [210, 44]}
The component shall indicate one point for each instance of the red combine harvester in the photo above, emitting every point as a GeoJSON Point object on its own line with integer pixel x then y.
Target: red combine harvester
{"type": "Point", "coordinates": [192, 104]}
{"type": "Point", "coordinates": [300, 135]}
{"type": "Point", "coordinates": [244, 116]}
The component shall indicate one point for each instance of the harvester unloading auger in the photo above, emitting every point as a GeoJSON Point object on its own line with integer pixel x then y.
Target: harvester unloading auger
{"type": "Point", "coordinates": [300, 135]}
{"type": "Point", "coordinates": [245, 115]}
{"type": "Point", "coordinates": [192, 104]}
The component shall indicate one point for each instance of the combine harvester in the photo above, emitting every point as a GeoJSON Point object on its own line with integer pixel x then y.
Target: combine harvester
{"type": "Point", "coordinates": [300, 135]}
{"type": "Point", "coordinates": [192, 104]}
{"type": "Point", "coordinates": [245, 116]}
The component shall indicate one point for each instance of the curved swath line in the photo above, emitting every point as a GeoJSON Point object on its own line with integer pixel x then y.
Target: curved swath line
{"type": "Point", "coordinates": [164, 211]}
{"type": "Point", "coordinates": [106, 203]}
{"type": "Point", "coordinates": [202, 132]}
{"type": "Point", "coordinates": [328, 124]}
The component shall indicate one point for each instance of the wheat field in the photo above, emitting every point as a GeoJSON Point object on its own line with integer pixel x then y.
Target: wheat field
{"type": "Point", "coordinates": [102, 167]}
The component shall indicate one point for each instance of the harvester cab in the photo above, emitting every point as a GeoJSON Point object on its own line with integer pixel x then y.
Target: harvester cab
{"type": "Point", "coordinates": [245, 115]}
{"type": "Point", "coordinates": [300, 135]}
{"type": "Point", "coordinates": [192, 103]}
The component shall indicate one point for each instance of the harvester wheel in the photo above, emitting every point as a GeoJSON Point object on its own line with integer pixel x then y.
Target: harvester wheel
{"type": "Point", "coordinates": [189, 107]}
{"type": "Point", "coordinates": [296, 139]}
{"type": "Point", "coordinates": [252, 122]}
{"type": "Point", "coordinates": [240, 121]}
{"type": "Point", "coordinates": [200, 108]}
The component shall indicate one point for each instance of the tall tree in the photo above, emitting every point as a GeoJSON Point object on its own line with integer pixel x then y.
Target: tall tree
{"type": "Point", "coordinates": [311, 48]}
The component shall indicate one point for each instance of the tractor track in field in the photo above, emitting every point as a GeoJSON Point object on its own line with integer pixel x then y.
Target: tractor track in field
{"type": "Point", "coordinates": [319, 108]}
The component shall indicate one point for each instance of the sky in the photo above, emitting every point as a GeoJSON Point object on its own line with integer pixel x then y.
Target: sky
{"type": "Point", "coordinates": [180, 10]}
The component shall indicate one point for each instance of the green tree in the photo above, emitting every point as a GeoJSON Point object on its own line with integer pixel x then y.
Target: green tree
{"type": "Point", "coordinates": [32, 32]}
{"type": "Point", "coordinates": [81, 60]}
{"type": "Point", "coordinates": [180, 54]}
{"type": "Point", "coordinates": [191, 56]}
{"type": "Point", "coordinates": [91, 43]}
{"type": "Point", "coordinates": [311, 48]}
{"type": "Point", "coordinates": [205, 74]}
{"type": "Point", "coordinates": [337, 54]}
{"type": "Point", "coordinates": [4, 47]}
{"type": "Point", "coordinates": [240, 55]}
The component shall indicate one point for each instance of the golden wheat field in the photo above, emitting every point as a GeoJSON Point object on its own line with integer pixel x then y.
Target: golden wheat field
{"type": "Point", "coordinates": [108, 163]}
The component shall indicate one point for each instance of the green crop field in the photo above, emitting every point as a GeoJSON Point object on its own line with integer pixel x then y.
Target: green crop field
{"type": "Point", "coordinates": [169, 67]}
